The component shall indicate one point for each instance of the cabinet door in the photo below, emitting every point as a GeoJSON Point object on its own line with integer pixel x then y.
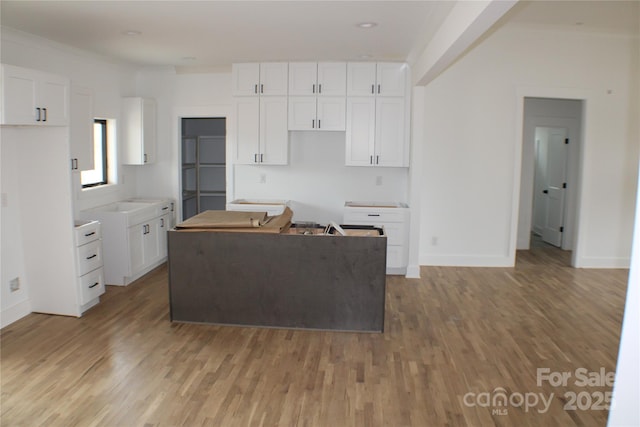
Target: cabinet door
{"type": "Point", "coordinates": [54, 100]}
{"type": "Point", "coordinates": [164, 225]}
{"type": "Point", "coordinates": [247, 129]}
{"type": "Point", "coordinates": [152, 241]}
{"type": "Point", "coordinates": [361, 78]}
{"type": "Point", "coordinates": [149, 135]}
{"type": "Point", "coordinates": [332, 79]}
{"type": "Point", "coordinates": [245, 79]}
{"type": "Point", "coordinates": [19, 87]}
{"type": "Point", "coordinates": [303, 78]}
{"type": "Point", "coordinates": [302, 113]}
{"type": "Point", "coordinates": [391, 79]}
{"type": "Point", "coordinates": [331, 113]}
{"type": "Point", "coordinates": [139, 131]}
{"type": "Point", "coordinates": [360, 134]}
{"type": "Point", "coordinates": [390, 129]}
{"type": "Point", "coordinates": [137, 235]}
{"type": "Point", "coordinates": [81, 128]}
{"type": "Point", "coordinates": [274, 136]}
{"type": "Point", "coordinates": [274, 78]}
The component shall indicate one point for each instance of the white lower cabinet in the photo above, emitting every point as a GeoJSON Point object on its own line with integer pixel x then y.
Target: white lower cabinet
{"type": "Point", "coordinates": [135, 240]}
{"type": "Point", "coordinates": [394, 219]}
{"type": "Point", "coordinates": [89, 263]}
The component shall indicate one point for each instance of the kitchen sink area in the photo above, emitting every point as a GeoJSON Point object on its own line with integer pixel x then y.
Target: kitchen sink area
{"type": "Point", "coordinates": [134, 236]}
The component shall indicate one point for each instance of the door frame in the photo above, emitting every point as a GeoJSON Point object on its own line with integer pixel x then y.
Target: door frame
{"type": "Point", "coordinates": [214, 111]}
{"type": "Point", "coordinates": [581, 214]}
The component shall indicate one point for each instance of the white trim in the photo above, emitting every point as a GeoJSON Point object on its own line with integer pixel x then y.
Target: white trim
{"type": "Point", "coordinates": [466, 260]}
{"type": "Point", "coordinates": [604, 262]}
{"type": "Point", "coordinates": [14, 313]}
{"type": "Point", "coordinates": [585, 95]}
{"type": "Point", "coordinates": [413, 272]}
{"type": "Point", "coordinates": [223, 111]}
{"type": "Point", "coordinates": [415, 179]}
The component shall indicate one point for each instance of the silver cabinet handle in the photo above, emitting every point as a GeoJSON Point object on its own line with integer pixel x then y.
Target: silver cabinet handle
{"type": "Point", "coordinates": [261, 88]}
{"type": "Point", "coordinates": [89, 234]}
{"type": "Point", "coordinates": [319, 124]}
{"type": "Point", "coordinates": [162, 222]}
{"type": "Point", "coordinates": [44, 110]}
{"type": "Point", "coordinates": [261, 158]}
{"type": "Point", "coordinates": [378, 88]}
{"type": "Point", "coordinates": [370, 160]}
{"type": "Point", "coordinates": [94, 285]}
{"type": "Point", "coordinates": [372, 89]}
{"type": "Point", "coordinates": [320, 88]}
{"type": "Point", "coordinates": [313, 89]}
{"type": "Point", "coordinates": [38, 116]}
{"type": "Point", "coordinates": [313, 123]}
{"type": "Point", "coordinates": [255, 88]}
{"type": "Point", "coordinates": [377, 159]}
{"type": "Point", "coordinates": [255, 158]}
{"type": "Point", "coordinates": [92, 256]}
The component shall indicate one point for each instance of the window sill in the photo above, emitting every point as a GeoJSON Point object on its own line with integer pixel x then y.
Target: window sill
{"type": "Point", "coordinates": [90, 192]}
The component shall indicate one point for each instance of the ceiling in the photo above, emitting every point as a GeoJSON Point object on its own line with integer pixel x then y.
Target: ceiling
{"type": "Point", "coordinates": [191, 34]}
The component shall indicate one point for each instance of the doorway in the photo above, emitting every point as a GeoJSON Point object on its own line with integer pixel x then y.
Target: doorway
{"type": "Point", "coordinates": [550, 183]}
{"type": "Point", "coordinates": [549, 173]}
{"type": "Point", "coordinates": [203, 165]}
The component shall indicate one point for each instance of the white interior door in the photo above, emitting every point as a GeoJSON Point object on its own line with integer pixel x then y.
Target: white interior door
{"type": "Point", "coordinates": [552, 165]}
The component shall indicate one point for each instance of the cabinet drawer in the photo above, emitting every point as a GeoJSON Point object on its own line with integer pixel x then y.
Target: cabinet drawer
{"type": "Point", "coordinates": [87, 232]}
{"type": "Point", "coordinates": [374, 216]}
{"type": "Point", "coordinates": [89, 257]}
{"type": "Point", "coordinates": [393, 230]}
{"type": "Point", "coordinates": [91, 286]}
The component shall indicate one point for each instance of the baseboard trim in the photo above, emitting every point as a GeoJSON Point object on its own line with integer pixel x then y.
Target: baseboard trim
{"type": "Point", "coordinates": [602, 262]}
{"type": "Point", "coordinates": [413, 272]}
{"type": "Point", "coordinates": [14, 313]}
{"type": "Point", "coordinates": [466, 260]}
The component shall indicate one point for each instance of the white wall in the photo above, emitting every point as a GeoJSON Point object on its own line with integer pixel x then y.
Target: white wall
{"type": "Point", "coordinates": [109, 83]}
{"type": "Point", "coordinates": [317, 181]}
{"type": "Point", "coordinates": [473, 140]}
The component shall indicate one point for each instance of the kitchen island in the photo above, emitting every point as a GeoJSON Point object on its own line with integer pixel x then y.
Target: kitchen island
{"type": "Point", "coordinates": [282, 280]}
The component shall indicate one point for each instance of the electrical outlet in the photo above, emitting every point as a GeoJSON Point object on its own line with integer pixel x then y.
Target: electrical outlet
{"type": "Point", "coordinates": [263, 178]}
{"type": "Point", "coordinates": [4, 200]}
{"type": "Point", "coordinates": [378, 180]}
{"type": "Point", "coordinates": [434, 240]}
{"type": "Point", "coordinates": [14, 284]}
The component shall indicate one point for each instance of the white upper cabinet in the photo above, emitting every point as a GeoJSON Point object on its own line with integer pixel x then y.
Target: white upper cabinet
{"type": "Point", "coordinates": [317, 95]}
{"type": "Point", "coordinates": [31, 97]}
{"type": "Point", "coordinates": [376, 79]}
{"type": "Point", "coordinates": [361, 78]}
{"type": "Point", "coordinates": [81, 129]}
{"type": "Point", "coordinates": [264, 79]}
{"type": "Point", "coordinates": [391, 79]}
{"type": "Point", "coordinates": [139, 131]}
{"type": "Point", "coordinates": [260, 113]}
{"type": "Point", "coordinates": [317, 78]}
{"type": "Point", "coordinates": [261, 130]}
{"type": "Point", "coordinates": [377, 119]}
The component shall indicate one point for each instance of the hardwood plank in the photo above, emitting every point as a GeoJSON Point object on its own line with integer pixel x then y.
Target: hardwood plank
{"type": "Point", "coordinates": [453, 332]}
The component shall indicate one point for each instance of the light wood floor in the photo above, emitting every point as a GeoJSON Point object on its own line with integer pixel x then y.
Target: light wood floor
{"type": "Point", "coordinates": [453, 332]}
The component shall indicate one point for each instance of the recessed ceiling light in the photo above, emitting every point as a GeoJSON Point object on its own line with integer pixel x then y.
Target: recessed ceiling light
{"type": "Point", "coordinates": [367, 24]}
{"type": "Point", "coordinates": [364, 56]}
{"type": "Point", "coordinates": [132, 33]}
{"type": "Point", "coordinates": [579, 23]}
{"type": "Point", "coordinates": [188, 58]}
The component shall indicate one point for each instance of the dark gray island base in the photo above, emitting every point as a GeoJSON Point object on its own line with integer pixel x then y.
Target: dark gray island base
{"type": "Point", "coordinates": [278, 280]}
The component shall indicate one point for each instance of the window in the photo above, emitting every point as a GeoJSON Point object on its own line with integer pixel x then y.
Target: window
{"type": "Point", "coordinates": [98, 175]}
